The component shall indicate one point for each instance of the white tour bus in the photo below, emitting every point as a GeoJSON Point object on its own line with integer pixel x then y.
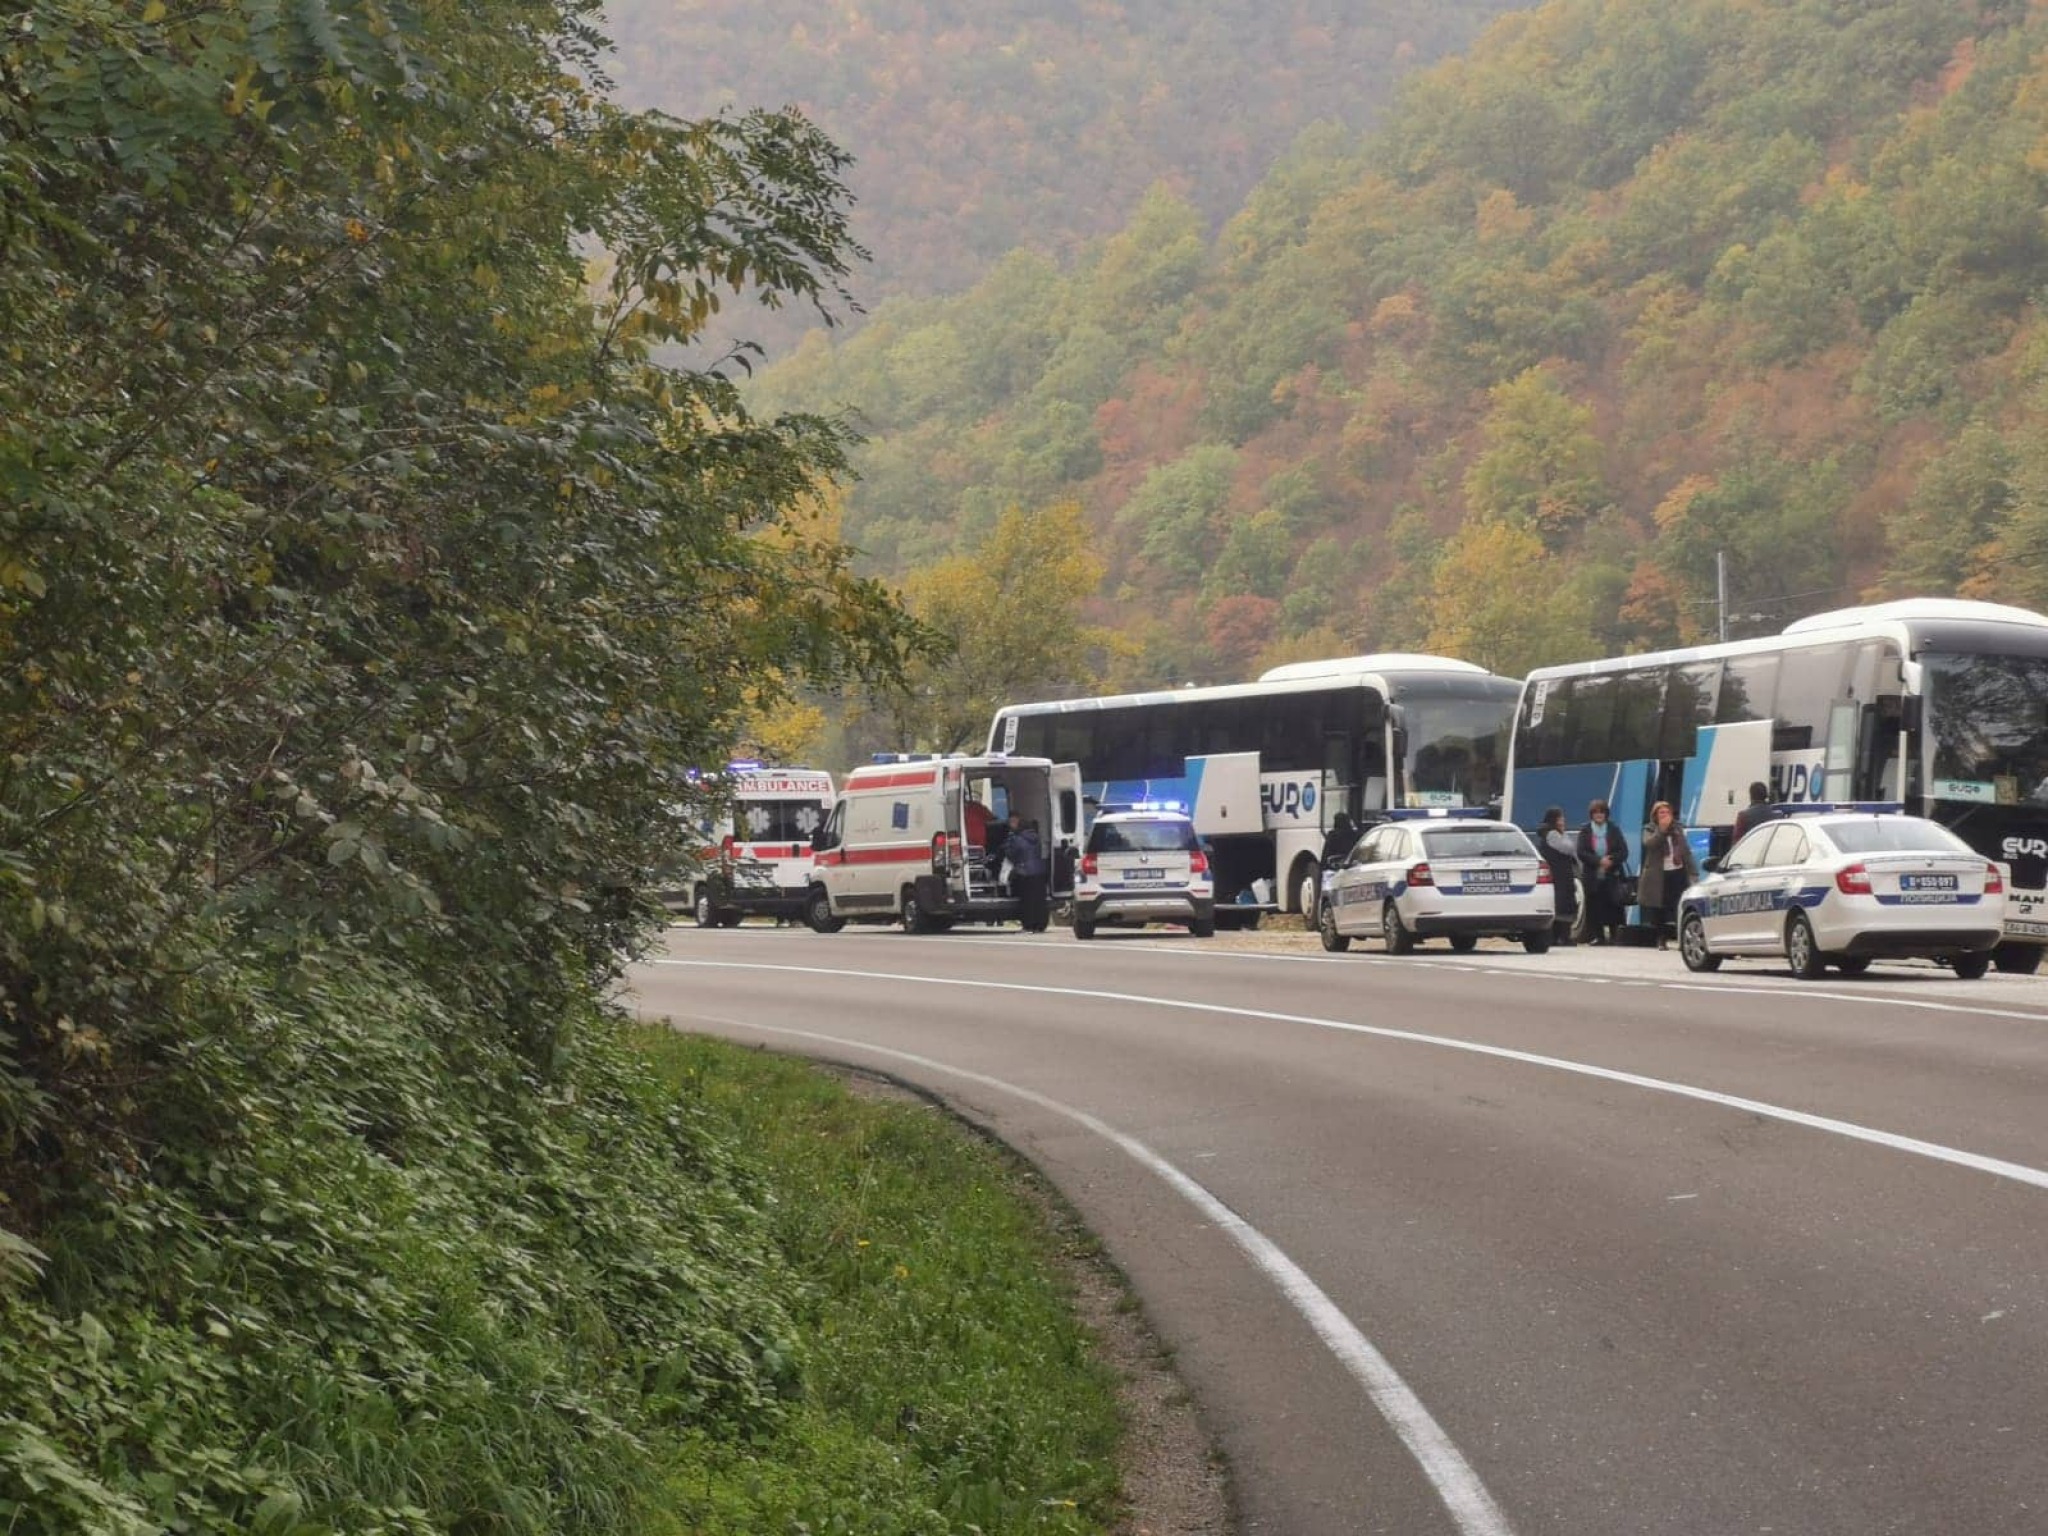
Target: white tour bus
{"type": "Point", "coordinates": [1938, 705]}
{"type": "Point", "coordinates": [916, 839]}
{"type": "Point", "coordinates": [1264, 768]}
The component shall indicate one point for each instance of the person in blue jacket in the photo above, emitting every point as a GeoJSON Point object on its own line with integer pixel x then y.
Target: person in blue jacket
{"type": "Point", "coordinates": [1027, 872]}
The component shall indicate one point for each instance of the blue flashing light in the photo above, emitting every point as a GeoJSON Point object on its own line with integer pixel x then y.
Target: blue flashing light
{"type": "Point", "coordinates": [743, 765]}
{"type": "Point", "coordinates": [1178, 807]}
{"type": "Point", "coordinates": [901, 757]}
{"type": "Point", "coordinates": [1442, 813]}
{"type": "Point", "coordinates": [1843, 807]}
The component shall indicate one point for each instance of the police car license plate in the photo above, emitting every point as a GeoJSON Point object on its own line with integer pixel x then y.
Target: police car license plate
{"type": "Point", "coordinates": [1144, 876]}
{"type": "Point", "coordinates": [1486, 879]}
{"type": "Point", "coordinates": [1927, 882]}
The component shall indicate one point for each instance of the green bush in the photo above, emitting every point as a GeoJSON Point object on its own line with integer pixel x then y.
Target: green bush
{"type": "Point", "coordinates": [370, 1272]}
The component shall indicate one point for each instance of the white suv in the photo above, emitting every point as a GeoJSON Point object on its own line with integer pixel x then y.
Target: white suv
{"type": "Point", "coordinates": [1144, 866]}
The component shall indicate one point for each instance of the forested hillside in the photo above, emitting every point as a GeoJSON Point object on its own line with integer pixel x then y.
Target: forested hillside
{"type": "Point", "coordinates": [1632, 283]}
{"type": "Point", "coordinates": [981, 127]}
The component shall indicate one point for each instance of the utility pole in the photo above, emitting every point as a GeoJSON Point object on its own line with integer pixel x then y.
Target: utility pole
{"type": "Point", "coordinates": [1721, 588]}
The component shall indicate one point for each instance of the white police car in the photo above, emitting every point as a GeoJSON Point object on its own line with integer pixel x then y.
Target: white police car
{"type": "Point", "coordinates": [1144, 864]}
{"type": "Point", "coordinates": [1423, 875]}
{"type": "Point", "coordinates": [1842, 886]}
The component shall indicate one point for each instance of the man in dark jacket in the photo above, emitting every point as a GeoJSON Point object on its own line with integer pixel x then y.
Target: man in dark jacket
{"type": "Point", "coordinates": [1339, 840]}
{"type": "Point", "coordinates": [1757, 812]}
{"type": "Point", "coordinates": [1027, 873]}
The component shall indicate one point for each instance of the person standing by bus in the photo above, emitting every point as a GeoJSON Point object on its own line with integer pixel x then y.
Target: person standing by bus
{"type": "Point", "coordinates": [1027, 873]}
{"type": "Point", "coordinates": [1756, 813]}
{"type": "Point", "coordinates": [1668, 868]}
{"type": "Point", "coordinates": [1560, 851]}
{"type": "Point", "coordinates": [1603, 859]}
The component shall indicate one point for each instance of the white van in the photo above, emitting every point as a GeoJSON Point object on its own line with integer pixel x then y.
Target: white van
{"type": "Point", "coordinates": [910, 840]}
{"type": "Point", "coordinates": [761, 862]}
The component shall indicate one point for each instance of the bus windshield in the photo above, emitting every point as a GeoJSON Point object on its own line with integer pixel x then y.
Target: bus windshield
{"type": "Point", "coordinates": [1988, 729]}
{"type": "Point", "coordinates": [1455, 750]}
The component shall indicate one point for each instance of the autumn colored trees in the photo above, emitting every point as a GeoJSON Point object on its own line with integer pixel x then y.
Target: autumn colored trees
{"type": "Point", "coordinates": [1629, 285]}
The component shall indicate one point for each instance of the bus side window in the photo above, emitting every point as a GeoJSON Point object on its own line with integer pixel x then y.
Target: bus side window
{"type": "Point", "coordinates": [1809, 684]}
{"type": "Point", "coordinates": [1639, 715]}
{"type": "Point", "coordinates": [1689, 700]}
{"type": "Point", "coordinates": [1749, 690]}
{"type": "Point", "coordinates": [1593, 701]}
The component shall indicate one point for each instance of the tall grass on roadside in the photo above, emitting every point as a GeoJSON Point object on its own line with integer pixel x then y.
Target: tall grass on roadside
{"type": "Point", "coordinates": [359, 1267]}
{"type": "Point", "coordinates": [948, 1386]}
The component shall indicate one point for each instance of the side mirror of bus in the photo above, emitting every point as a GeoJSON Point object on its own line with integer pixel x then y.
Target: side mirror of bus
{"type": "Point", "coordinates": [1910, 714]}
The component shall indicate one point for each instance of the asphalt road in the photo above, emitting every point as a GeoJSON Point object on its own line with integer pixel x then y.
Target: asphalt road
{"type": "Point", "coordinates": [1577, 1244]}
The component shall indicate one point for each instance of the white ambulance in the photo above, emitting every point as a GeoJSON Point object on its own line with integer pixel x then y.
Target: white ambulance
{"type": "Point", "coordinates": [760, 864]}
{"type": "Point", "coordinates": [918, 840]}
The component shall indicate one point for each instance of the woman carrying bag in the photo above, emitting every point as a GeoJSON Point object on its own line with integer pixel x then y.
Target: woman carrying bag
{"type": "Point", "coordinates": [1603, 859]}
{"type": "Point", "coordinates": [1668, 868]}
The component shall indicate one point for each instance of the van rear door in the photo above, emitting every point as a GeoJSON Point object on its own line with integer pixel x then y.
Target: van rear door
{"type": "Point", "coordinates": [1065, 851]}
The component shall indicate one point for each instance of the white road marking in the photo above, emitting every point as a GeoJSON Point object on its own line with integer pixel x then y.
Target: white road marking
{"type": "Point", "coordinates": [1998, 1167]}
{"type": "Point", "coordinates": [1471, 1507]}
{"type": "Point", "coordinates": [1865, 995]}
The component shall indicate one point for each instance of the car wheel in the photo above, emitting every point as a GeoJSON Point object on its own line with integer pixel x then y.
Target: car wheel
{"type": "Point", "coordinates": [706, 908]}
{"type": "Point", "coordinates": [1971, 967]}
{"type": "Point", "coordinates": [1535, 943]}
{"type": "Point", "coordinates": [1853, 965]}
{"type": "Point", "coordinates": [1083, 930]}
{"type": "Point", "coordinates": [1203, 928]}
{"type": "Point", "coordinates": [2017, 959]}
{"type": "Point", "coordinates": [1307, 891]}
{"type": "Point", "coordinates": [818, 912]}
{"type": "Point", "coordinates": [1464, 943]}
{"type": "Point", "coordinates": [1326, 924]}
{"type": "Point", "coordinates": [1802, 952]}
{"type": "Point", "coordinates": [1399, 940]}
{"type": "Point", "coordinates": [1692, 945]}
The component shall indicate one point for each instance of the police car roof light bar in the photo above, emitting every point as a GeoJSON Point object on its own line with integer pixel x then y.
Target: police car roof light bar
{"type": "Point", "coordinates": [1442, 813]}
{"type": "Point", "coordinates": [1843, 808]}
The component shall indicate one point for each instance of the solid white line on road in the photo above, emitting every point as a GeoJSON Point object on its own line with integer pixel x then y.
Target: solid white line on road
{"type": "Point", "coordinates": [1998, 1167]}
{"type": "Point", "coordinates": [1865, 995]}
{"type": "Point", "coordinates": [1471, 1507]}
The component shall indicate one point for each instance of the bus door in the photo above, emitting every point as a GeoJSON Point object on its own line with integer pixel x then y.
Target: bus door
{"type": "Point", "coordinates": [1341, 791]}
{"type": "Point", "coordinates": [1064, 851]}
{"type": "Point", "coordinates": [1730, 759]}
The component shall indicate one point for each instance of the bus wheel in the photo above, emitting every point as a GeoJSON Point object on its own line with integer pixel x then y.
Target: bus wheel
{"type": "Point", "coordinates": [1306, 883]}
{"type": "Point", "coordinates": [706, 908]}
{"type": "Point", "coordinates": [2017, 959]}
{"type": "Point", "coordinates": [818, 912]}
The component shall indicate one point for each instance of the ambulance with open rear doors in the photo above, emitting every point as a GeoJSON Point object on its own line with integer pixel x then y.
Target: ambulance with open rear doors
{"type": "Point", "coordinates": [910, 840]}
